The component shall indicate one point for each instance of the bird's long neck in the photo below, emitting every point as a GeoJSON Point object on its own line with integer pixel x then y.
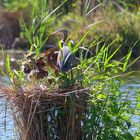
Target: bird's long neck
{"type": "Point", "coordinates": [65, 36]}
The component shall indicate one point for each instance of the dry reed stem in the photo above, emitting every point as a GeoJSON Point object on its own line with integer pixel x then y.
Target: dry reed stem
{"type": "Point", "coordinates": [47, 115]}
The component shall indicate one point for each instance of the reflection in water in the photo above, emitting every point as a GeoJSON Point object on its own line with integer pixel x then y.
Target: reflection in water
{"type": "Point", "coordinates": [6, 124]}
{"type": "Point", "coordinates": [15, 56]}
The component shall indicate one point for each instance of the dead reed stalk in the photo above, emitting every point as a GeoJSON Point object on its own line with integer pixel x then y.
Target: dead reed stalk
{"type": "Point", "coordinates": [47, 115]}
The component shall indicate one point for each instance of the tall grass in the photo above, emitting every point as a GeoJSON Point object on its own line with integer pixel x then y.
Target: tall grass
{"type": "Point", "coordinates": [84, 103]}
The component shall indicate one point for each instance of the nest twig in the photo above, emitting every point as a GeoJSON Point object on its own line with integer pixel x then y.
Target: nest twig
{"type": "Point", "coordinates": [47, 115]}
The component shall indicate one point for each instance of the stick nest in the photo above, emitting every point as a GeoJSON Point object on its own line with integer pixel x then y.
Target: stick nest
{"type": "Point", "coordinates": [40, 114]}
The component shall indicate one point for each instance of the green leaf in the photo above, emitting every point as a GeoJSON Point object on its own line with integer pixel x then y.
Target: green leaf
{"type": "Point", "coordinates": [8, 63]}
{"type": "Point", "coordinates": [138, 105]}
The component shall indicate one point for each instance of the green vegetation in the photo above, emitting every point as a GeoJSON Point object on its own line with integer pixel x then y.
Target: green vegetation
{"type": "Point", "coordinates": [112, 35]}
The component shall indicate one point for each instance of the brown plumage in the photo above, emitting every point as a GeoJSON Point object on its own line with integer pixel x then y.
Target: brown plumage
{"type": "Point", "coordinates": [37, 74]}
{"type": "Point", "coordinates": [51, 58]}
{"type": "Point", "coordinates": [37, 68]}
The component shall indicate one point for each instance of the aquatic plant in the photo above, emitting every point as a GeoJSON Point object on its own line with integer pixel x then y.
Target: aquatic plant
{"type": "Point", "coordinates": [84, 103]}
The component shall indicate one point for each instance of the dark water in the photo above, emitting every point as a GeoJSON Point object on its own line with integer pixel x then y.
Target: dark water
{"type": "Point", "coordinates": [8, 132]}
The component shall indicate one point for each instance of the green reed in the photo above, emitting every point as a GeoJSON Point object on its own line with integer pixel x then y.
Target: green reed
{"type": "Point", "coordinates": [106, 115]}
